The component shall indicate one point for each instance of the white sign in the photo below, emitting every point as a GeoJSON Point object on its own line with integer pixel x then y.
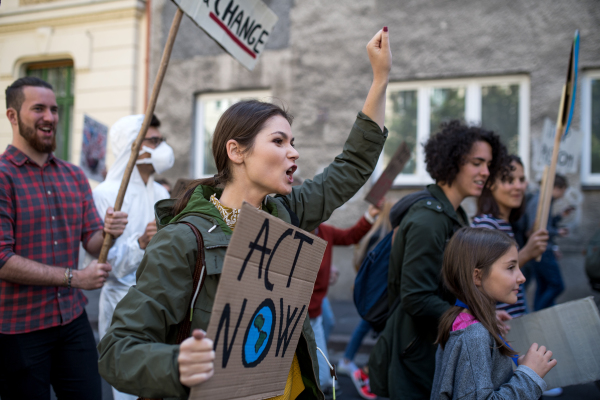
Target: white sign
{"type": "Point", "coordinates": [93, 151]}
{"type": "Point", "coordinates": [242, 27]}
{"type": "Point", "coordinates": [570, 331]}
{"type": "Point", "coordinates": [568, 155]}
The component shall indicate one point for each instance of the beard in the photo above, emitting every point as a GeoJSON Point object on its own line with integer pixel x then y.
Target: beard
{"type": "Point", "coordinates": [30, 135]}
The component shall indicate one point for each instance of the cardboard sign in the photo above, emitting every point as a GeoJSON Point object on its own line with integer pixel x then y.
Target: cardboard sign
{"type": "Point", "coordinates": [385, 181]}
{"type": "Point", "coordinates": [262, 300]}
{"type": "Point", "coordinates": [568, 155]}
{"type": "Point", "coordinates": [571, 332]}
{"type": "Point", "coordinates": [242, 27]}
{"type": "Point", "coordinates": [93, 152]}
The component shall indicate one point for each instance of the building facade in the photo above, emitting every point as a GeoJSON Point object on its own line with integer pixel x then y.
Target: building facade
{"type": "Point", "coordinates": [489, 63]}
{"type": "Point", "coordinates": [92, 52]}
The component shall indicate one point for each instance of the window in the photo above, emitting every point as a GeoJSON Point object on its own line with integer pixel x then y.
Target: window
{"type": "Point", "coordinates": [590, 125]}
{"type": "Point", "coordinates": [209, 108]}
{"type": "Point", "coordinates": [415, 110]}
{"type": "Point", "coordinates": [60, 75]}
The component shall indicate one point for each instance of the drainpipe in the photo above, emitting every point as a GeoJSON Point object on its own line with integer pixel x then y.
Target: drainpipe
{"type": "Point", "coordinates": [147, 67]}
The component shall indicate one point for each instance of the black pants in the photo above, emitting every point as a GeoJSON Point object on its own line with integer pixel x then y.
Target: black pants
{"type": "Point", "coordinates": [63, 356]}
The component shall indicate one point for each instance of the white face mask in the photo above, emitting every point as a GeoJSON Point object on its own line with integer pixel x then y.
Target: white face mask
{"type": "Point", "coordinates": [161, 158]}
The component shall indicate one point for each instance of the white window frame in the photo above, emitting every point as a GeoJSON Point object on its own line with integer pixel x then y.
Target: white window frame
{"type": "Point", "coordinates": [472, 116]}
{"type": "Point", "coordinates": [264, 95]}
{"type": "Point", "coordinates": [587, 177]}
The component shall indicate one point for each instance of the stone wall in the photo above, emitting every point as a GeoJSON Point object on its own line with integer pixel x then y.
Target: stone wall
{"type": "Point", "coordinates": [316, 61]}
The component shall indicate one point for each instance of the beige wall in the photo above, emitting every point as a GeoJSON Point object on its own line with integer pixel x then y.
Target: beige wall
{"type": "Point", "coordinates": [106, 41]}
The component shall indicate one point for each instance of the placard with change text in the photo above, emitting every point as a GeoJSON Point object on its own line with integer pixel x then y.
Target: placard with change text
{"type": "Point", "coordinates": [241, 27]}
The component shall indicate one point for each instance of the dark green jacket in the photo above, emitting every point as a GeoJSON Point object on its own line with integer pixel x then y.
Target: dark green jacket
{"type": "Point", "coordinates": [138, 354]}
{"type": "Point", "coordinates": [415, 275]}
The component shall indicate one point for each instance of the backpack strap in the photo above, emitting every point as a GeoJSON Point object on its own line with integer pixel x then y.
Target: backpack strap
{"type": "Point", "coordinates": [400, 209]}
{"type": "Point", "coordinates": [199, 276]}
{"type": "Point", "coordinates": [294, 220]}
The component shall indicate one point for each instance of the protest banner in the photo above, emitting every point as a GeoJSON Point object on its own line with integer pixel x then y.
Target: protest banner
{"type": "Point", "coordinates": [563, 122]}
{"type": "Point", "coordinates": [385, 181]}
{"type": "Point", "coordinates": [259, 14]}
{"type": "Point", "coordinates": [241, 27]}
{"type": "Point", "coordinates": [262, 300]}
{"type": "Point", "coordinates": [570, 330]}
{"type": "Point", "coordinates": [569, 152]}
{"type": "Point", "coordinates": [93, 151]}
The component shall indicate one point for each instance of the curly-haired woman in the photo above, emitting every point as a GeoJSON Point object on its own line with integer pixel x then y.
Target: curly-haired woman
{"type": "Point", "coordinates": [460, 159]}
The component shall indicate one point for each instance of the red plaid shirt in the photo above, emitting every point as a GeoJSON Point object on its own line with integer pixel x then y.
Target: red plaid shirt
{"type": "Point", "coordinates": [45, 212]}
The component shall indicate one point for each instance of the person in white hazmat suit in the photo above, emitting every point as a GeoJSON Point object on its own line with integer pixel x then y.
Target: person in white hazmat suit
{"type": "Point", "coordinates": [142, 193]}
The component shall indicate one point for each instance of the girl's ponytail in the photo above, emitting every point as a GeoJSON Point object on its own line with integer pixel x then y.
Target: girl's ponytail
{"type": "Point", "coordinates": [181, 202]}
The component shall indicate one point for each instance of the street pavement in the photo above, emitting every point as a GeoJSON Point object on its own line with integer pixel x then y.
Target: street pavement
{"type": "Point", "coordinates": [347, 318]}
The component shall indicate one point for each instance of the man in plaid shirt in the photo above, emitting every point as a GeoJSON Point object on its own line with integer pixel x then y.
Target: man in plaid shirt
{"type": "Point", "coordinates": [46, 210]}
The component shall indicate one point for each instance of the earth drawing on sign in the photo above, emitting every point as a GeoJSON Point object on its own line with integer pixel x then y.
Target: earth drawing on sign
{"type": "Point", "coordinates": [259, 334]}
{"type": "Point", "coordinates": [259, 321]}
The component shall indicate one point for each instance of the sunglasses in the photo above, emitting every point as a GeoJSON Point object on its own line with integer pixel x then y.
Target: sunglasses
{"type": "Point", "coordinates": [155, 141]}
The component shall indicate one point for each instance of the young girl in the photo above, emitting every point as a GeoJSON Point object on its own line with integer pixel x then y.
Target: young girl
{"type": "Point", "coordinates": [473, 361]}
{"type": "Point", "coordinates": [501, 204]}
{"type": "Point", "coordinates": [254, 152]}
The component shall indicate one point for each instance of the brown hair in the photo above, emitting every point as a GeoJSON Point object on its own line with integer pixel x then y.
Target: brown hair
{"type": "Point", "coordinates": [470, 249]}
{"type": "Point", "coordinates": [445, 151]}
{"type": "Point", "coordinates": [560, 182]}
{"type": "Point", "coordinates": [240, 122]}
{"type": "Point", "coordinates": [14, 93]}
{"type": "Point", "coordinates": [486, 204]}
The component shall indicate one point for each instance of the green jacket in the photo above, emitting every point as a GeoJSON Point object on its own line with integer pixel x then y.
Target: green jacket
{"type": "Point", "coordinates": [138, 354]}
{"type": "Point", "coordinates": [415, 275]}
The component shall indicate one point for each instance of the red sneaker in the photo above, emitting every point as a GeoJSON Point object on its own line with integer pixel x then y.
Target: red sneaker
{"type": "Point", "coordinates": [361, 382]}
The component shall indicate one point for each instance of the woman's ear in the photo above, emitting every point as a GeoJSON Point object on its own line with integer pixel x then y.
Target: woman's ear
{"type": "Point", "coordinates": [234, 152]}
{"type": "Point", "coordinates": [477, 274]}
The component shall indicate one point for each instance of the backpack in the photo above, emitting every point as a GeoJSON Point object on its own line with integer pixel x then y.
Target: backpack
{"type": "Point", "coordinates": [370, 285]}
{"type": "Point", "coordinates": [592, 261]}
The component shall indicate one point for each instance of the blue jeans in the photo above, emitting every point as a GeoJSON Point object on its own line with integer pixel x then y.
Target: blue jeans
{"type": "Point", "coordinates": [358, 335]}
{"type": "Point", "coordinates": [328, 317]}
{"type": "Point", "coordinates": [549, 281]}
{"type": "Point", "coordinates": [324, 375]}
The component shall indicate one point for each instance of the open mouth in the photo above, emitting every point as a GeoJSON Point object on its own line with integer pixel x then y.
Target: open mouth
{"type": "Point", "coordinates": [290, 173]}
{"type": "Point", "coordinates": [47, 130]}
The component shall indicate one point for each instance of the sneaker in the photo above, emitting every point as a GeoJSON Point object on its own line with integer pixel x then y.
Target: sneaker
{"type": "Point", "coordinates": [361, 383]}
{"type": "Point", "coordinates": [553, 392]}
{"type": "Point", "coordinates": [345, 367]}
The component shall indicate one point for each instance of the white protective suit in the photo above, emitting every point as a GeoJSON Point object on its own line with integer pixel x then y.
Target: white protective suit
{"type": "Point", "coordinates": [125, 255]}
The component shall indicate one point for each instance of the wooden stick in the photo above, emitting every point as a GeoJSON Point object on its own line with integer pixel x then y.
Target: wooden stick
{"type": "Point", "coordinates": [164, 62]}
{"type": "Point", "coordinates": [538, 214]}
{"type": "Point", "coordinates": [546, 194]}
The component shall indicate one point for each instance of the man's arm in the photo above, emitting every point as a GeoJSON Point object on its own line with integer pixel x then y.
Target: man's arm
{"type": "Point", "coordinates": [28, 272]}
{"type": "Point", "coordinates": [94, 245]}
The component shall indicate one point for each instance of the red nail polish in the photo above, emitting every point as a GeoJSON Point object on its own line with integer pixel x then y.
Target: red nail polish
{"type": "Point", "coordinates": [385, 28]}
